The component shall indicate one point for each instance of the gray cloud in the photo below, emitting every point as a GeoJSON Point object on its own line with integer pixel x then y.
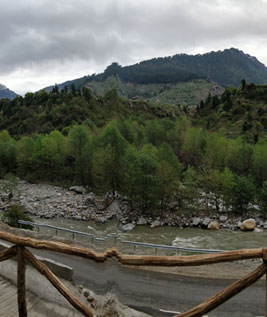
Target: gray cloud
{"type": "Point", "coordinates": [38, 34]}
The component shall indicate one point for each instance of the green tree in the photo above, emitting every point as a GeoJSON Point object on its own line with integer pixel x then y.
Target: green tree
{"type": "Point", "coordinates": [228, 184]}
{"type": "Point", "coordinates": [167, 183]}
{"type": "Point", "coordinates": [263, 197]}
{"type": "Point", "coordinates": [13, 214]}
{"type": "Point", "coordinates": [165, 153]}
{"type": "Point", "coordinates": [243, 193]}
{"type": "Point", "coordinates": [80, 145]}
{"type": "Point", "coordinates": [190, 192]}
{"type": "Point", "coordinates": [259, 165]}
{"type": "Point", "coordinates": [144, 181]}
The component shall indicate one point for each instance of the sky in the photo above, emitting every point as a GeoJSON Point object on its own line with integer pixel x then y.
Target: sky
{"type": "Point", "coordinates": [44, 42]}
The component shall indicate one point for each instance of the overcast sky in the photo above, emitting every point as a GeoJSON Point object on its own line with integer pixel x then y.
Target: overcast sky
{"type": "Point", "coordinates": [45, 42]}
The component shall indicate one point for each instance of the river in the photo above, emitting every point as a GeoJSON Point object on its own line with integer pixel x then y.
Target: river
{"type": "Point", "coordinates": [223, 239]}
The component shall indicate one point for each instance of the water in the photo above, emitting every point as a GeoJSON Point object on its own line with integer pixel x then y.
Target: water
{"type": "Point", "coordinates": [190, 237]}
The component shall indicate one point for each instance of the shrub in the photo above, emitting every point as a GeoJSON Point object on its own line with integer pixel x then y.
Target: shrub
{"type": "Point", "coordinates": [13, 214]}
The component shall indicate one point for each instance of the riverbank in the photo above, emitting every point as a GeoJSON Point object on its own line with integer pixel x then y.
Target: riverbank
{"type": "Point", "coordinates": [47, 201]}
{"type": "Point", "coordinates": [231, 271]}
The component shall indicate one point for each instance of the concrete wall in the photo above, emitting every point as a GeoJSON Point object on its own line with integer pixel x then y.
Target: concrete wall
{"type": "Point", "coordinates": [60, 270]}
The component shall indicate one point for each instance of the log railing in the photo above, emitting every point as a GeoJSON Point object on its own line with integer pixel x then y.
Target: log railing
{"type": "Point", "coordinates": [23, 254]}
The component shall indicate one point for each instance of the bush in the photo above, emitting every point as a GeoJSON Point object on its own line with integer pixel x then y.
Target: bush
{"type": "Point", "coordinates": [13, 214]}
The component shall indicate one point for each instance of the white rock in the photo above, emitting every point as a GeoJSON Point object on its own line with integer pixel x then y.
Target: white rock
{"type": "Point", "coordinates": [214, 225]}
{"type": "Point", "coordinates": [248, 225]}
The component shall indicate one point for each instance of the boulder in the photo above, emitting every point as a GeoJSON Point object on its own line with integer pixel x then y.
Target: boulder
{"type": "Point", "coordinates": [196, 221]}
{"type": "Point", "coordinates": [114, 208]}
{"type": "Point", "coordinates": [155, 224]}
{"type": "Point", "coordinates": [214, 225]}
{"type": "Point", "coordinates": [248, 225]}
{"type": "Point", "coordinates": [128, 227]}
{"type": "Point", "coordinates": [78, 189]}
{"type": "Point", "coordinates": [205, 222]}
{"type": "Point", "coordinates": [142, 221]}
{"type": "Point", "coordinates": [258, 230]}
{"type": "Point", "coordinates": [223, 218]}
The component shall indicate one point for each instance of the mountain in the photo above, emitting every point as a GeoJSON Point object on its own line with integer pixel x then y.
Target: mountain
{"type": "Point", "coordinates": [6, 93]}
{"type": "Point", "coordinates": [180, 79]}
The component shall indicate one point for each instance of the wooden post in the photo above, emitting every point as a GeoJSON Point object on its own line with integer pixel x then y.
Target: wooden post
{"type": "Point", "coordinates": [22, 308]}
{"type": "Point", "coordinates": [44, 270]}
{"type": "Point", "coordinates": [265, 295]}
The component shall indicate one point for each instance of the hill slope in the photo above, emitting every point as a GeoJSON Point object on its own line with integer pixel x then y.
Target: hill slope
{"type": "Point", "coordinates": [179, 79]}
{"type": "Point", "coordinates": [239, 111]}
{"type": "Point", "coordinates": [43, 112]}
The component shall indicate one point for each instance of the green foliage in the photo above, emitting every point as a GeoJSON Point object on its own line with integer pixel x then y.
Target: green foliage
{"type": "Point", "coordinates": [239, 111]}
{"type": "Point", "coordinates": [9, 184]}
{"type": "Point", "coordinates": [263, 197]}
{"type": "Point", "coordinates": [13, 214]}
{"type": "Point", "coordinates": [243, 193]}
{"type": "Point", "coordinates": [144, 181]}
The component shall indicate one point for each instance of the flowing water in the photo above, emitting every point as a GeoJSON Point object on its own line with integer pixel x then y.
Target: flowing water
{"type": "Point", "coordinates": [190, 237]}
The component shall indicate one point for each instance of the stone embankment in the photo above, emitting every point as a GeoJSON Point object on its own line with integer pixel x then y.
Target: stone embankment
{"type": "Point", "coordinates": [47, 201]}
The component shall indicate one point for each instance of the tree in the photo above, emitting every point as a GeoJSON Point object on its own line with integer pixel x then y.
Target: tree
{"type": "Point", "coordinates": [263, 197]}
{"type": "Point", "coordinates": [190, 192]}
{"type": "Point", "coordinates": [243, 84]}
{"type": "Point", "coordinates": [243, 193]}
{"type": "Point", "coordinates": [167, 183]}
{"type": "Point", "coordinates": [80, 145]}
{"type": "Point", "coordinates": [144, 181]}
{"type": "Point", "coordinates": [259, 165]}
{"type": "Point", "coordinates": [104, 170]}
{"type": "Point", "coordinates": [165, 153]}
{"type": "Point", "coordinates": [112, 139]}
{"type": "Point", "coordinates": [228, 183]}
{"type": "Point", "coordinates": [13, 214]}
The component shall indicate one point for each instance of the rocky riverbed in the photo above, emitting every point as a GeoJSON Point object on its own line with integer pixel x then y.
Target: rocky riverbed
{"type": "Point", "coordinates": [47, 201]}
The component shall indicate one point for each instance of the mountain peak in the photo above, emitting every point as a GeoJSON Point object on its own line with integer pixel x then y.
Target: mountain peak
{"type": "Point", "coordinates": [6, 93]}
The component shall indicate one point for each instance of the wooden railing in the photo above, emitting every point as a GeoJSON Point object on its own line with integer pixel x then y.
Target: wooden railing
{"type": "Point", "coordinates": [19, 249]}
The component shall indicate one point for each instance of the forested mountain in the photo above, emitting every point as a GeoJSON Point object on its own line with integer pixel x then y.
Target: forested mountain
{"type": "Point", "coordinates": [178, 80]}
{"type": "Point", "coordinates": [42, 112]}
{"type": "Point", "coordinates": [239, 111]}
{"type": "Point", "coordinates": [6, 93]}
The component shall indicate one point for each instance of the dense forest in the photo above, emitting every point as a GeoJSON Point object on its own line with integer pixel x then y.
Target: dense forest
{"type": "Point", "coordinates": [42, 112]}
{"type": "Point", "coordinates": [150, 157]}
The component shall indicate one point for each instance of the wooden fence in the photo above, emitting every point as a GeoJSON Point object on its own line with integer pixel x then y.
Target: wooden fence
{"type": "Point", "coordinates": [23, 254]}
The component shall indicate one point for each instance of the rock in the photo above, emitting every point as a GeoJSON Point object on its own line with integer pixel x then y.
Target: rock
{"type": "Point", "coordinates": [196, 221]}
{"type": "Point", "coordinates": [78, 189]}
{"type": "Point", "coordinates": [114, 208]}
{"type": "Point", "coordinates": [205, 222]}
{"type": "Point", "coordinates": [223, 218]}
{"type": "Point", "coordinates": [248, 224]}
{"type": "Point", "coordinates": [258, 230]}
{"type": "Point", "coordinates": [214, 225]}
{"type": "Point", "coordinates": [86, 292]}
{"type": "Point", "coordinates": [155, 224]}
{"type": "Point", "coordinates": [128, 227]}
{"type": "Point", "coordinates": [142, 221]}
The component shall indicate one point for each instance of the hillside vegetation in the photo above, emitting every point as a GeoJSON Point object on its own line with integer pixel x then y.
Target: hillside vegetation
{"type": "Point", "coordinates": [151, 155]}
{"type": "Point", "coordinates": [239, 111]}
{"type": "Point", "coordinates": [42, 112]}
{"type": "Point", "coordinates": [179, 79]}
{"type": "Point", "coordinates": [188, 93]}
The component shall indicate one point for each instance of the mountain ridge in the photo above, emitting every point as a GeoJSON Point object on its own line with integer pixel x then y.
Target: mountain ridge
{"type": "Point", "coordinates": [7, 93]}
{"type": "Point", "coordinates": [224, 68]}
